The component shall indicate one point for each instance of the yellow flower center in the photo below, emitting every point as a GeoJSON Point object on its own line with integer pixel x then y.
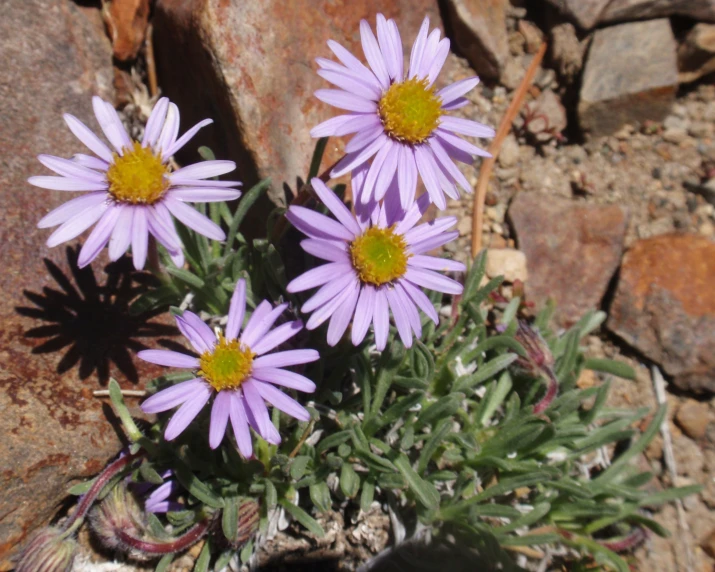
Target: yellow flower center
{"type": "Point", "coordinates": [379, 256]}
{"type": "Point", "coordinates": [138, 176]}
{"type": "Point", "coordinates": [410, 110]}
{"type": "Point", "coordinates": [227, 366]}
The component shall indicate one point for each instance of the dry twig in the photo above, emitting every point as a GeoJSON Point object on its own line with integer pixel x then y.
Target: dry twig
{"type": "Point", "coordinates": [125, 393]}
{"type": "Point", "coordinates": [151, 63]}
{"type": "Point", "coordinates": [669, 458]}
{"type": "Point", "coordinates": [488, 164]}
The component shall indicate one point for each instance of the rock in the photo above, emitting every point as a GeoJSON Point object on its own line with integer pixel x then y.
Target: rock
{"type": "Point", "coordinates": [509, 152]}
{"type": "Point", "coordinates": [572, 249]}
{"type": "Point", "coordinates": [126, 22]}
{"type": "Point", "coordinates": [631, 75]}
{"type": "Point", "coordinates": [622, 10]}
{"type": "Point", "coordinates": [664, 306]}
{"type": "Point", "coordinates": [506, 262]}
{"type": "Point", "coordinates": [548, 116]}
{"type": "Point", "coordinates": [585, 13]}
{"type": "Point", "coordinates": [566, 51]}
{"type": "Point", "coordinates": [589, 13]}
{"type": "Point", "coordinates": [480, 34]}
{"type": "Point", "coordinates": [251, 68]}
{"type": "Point", "coordinates": [55, 56]}
{"type": "Point", "coordinates": [696, 54]}
{"type": "Point", "coordinates": [533, 36]}
{"type": "Point", "coordinates": [708, 544]}
{"type": "Point", "coordinates": [693, 417]}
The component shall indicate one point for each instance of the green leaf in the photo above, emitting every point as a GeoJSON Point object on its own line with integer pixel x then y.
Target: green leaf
{"type": "Point", "coordinates": [636, 448]}
{"type": "Point", "coordinates": [80, 488]}
{"type": "Point", "coordinates": [303, 518]}
{"type": "Point", "coordinates": [333, 441]}
{"type": "Point", "coordinates": [202, 562]}
{"type": "Point", "coordinates": [368, 494]}
{"type": "Point", "coordinates": [299, 466]}
{"type": "Point", "coordinates": [185, 276]}
{"type": "Point", "coordinates": [474, 277]}
{"type": "Point", "coordinates": [613, 367]}
{"type": "Point", "coordinates": [442, 408]}
{"type": "Point", "coordinates": [349, 481]}
{"type": "Point", "coordinates": [149, 474]}
{"type": "Point", "coordinates": [433, 443]}
{"type": "Point", "coordinates": [421, 361]}
{"type": "Point", "coordinates": [229, 518]}
{"type": "Point", "coordinates": [115, 394]}
{"type": "Point", "coordinates": [196, 487]}
{"type": "Point", "coordinates": [223, 559]}
{"type": "Point", "coordinates": [317, 157]}
{"type": "Point", "coordinates": [487, 371]}
{"type": "Point", "coordinates": [164, 563]}
{"type": "Point", "coordinates": [320, 495]}
{"type": "Point", "coordinates": [271, 494]}
{"type": "Point", "coordinates": [424, 491]}
{"type": "Point", "coordinates": [669, 495]}
{"type": "Point", "coordinates": [246, 202]}
{"type": "Point", "coordinates": [538, 512]}
{"type": "Point", "coordinates": [396, 411]}
{"type": "Point", "coordinates": [390, 361]}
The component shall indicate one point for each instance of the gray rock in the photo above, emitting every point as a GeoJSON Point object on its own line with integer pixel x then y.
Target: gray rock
{"type": "Point", "coordinates": [479, 30]}
{"type": "Point", "coordinates": [631, 75]}
{"type": "Point", "coordinates": [590, 13]}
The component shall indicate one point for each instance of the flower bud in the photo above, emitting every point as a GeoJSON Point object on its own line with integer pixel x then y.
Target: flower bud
{"type": "Point", "coordinates": [538, 357]}
{"type": "Point", "coordinates": [47, 551]}
{"type": "Point", "coordinates": [248, 520]}
{"type": "Point", "coordinates": [118, 511]}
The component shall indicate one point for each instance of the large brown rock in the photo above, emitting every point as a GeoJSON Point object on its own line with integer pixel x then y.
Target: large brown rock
{"type": "Point", "coordinates": [631, 75]}
{"type": "Point", "coordinates": [572, 251]}
{"type": "Point", "coordinates": [250, 66]}
{"type": "Point", "coordinates": [664, 306]}
{"type": "Point", "coordinates": [56, 328]}
{"type": "Point", "coordinates": [589, 13]}
{"type": "Point", "coordinates": [479, 30]}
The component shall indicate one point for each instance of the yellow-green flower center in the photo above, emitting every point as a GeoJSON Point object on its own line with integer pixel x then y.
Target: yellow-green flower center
{"type": "Point", "coordinates": [138, 176]}
{"type": "Point", "coordinates": [226, 366]}
{"type": "Point", "coordinates": [379, 256]}
{"type": "Point", "coordinates": [410, 110]}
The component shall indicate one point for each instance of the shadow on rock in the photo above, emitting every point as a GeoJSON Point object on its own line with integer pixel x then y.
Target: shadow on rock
{"type": "Point", "coordinates": [92, 321]}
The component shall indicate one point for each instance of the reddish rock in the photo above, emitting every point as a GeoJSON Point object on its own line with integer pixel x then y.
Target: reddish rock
{"type": "Point", "coordinates": [693, 418]}
{"type": "Point", "coordinates": [479, 31]}
{"type": "Point", "coordinates": [664, 306]}
{"type": "Point", "coordinates": [126, 22]}
{"type": "Point", "coordinates": [250, 66]}
{"type": "Point", "coordinates": [631, 75]}
{"type": "Point", "coordinates": [55, 56]}
{"type": "Point", "coordinates": [572, 251]}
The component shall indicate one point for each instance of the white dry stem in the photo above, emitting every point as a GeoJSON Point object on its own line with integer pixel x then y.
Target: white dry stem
{"type": "Point", "coordinates": [669, 458]}
{"type": "Point", "coordinates": [124, 392]}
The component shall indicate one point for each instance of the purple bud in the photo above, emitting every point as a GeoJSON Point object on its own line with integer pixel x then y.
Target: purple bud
{"type": "Point", "coordinates": [538, 362]}
{"type": "Point", "coordinates": [119, 511]}
{"type": "Point", "coordinates": [248, 520]}
{"type": "Point", "coordinates": [47, 550]}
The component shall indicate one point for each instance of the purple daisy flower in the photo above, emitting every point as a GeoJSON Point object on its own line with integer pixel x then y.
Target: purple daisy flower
{"type": "Point", "coordinates": [237, 370]}
{"type": "Point", "coordinates": [375, 266]}
{"type": "Point", "coordinates": [132, 190]}
{"type": "Point", "coordinates": [398, 117]}
{"type": "Point", "coordinates": [159, 499]}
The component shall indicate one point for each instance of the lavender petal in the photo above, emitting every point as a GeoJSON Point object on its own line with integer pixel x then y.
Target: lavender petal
{"type": "Point", "coordinates": [88, 138]}
{"type": "Point", "coordinates": [174, 395]}
{"type": "Point", "coordinates": [259, 325]}
{"type": "Point", "coordinates": [276, 337]}
{"type": "Point", "coordinates": [219, 418]}
{"type": "Point", "coordinates": [169, 358]}
{"type": "Point", "coordinates": [67, 184]}
{"type": "Point", "coordinates": [344, 100]}
{"type": "Point", "coordinates": [364, 311]}
{"type": "Point", "coordinates": [203, 170]}
{"type": "Point", "coordinates": [381, 319]}
{"type": "Point", "coordinates": [187, 412]}
{"type": "Point", "coordinates": [285, 359]}
{"type": "Point", "coordinates": [184, 139]}
{"type": "Point", "coordinates": [156, 120]}
{"type": "Point", "coordinates": [236, 310]}
{"type": "Point", "coordinates": [281, 401]}
{"type": "Point", "coordinates": [401, 320]}
{"type": "Point", "coordinates": [341, 318]}
{"type": "Point", "coordinates": [140, 237]}
{"type": "Point", "coordinates": [317, 225]}
{"type": "Point", "coordinates": [194, 219]}
{"type": "Point", "coordinates": [239, 422]}
{"type": "Point", "coordinates": [288, 379]}
{"type": "Point", "coordinates": [433, 281]}
{"type": "Point", "coordinates": [72, 208]}
{"type": "Point", "coordinates": [99, 237]}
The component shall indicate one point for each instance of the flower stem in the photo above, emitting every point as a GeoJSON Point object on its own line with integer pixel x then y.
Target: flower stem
{"type": "Point", "coordinates": [551, 391]}
{"type": "Point", "coordinates": [178, 544]}
{"type": "Point", "coordinates": [87, 500]}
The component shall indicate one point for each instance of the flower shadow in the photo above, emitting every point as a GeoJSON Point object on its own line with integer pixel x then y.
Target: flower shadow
{"type": "Point", "coordinates": [92, 322]}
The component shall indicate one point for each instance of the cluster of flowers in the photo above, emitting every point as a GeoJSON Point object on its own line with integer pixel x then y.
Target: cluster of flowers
{"type": "Point", "coordinates": [376, 261]}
